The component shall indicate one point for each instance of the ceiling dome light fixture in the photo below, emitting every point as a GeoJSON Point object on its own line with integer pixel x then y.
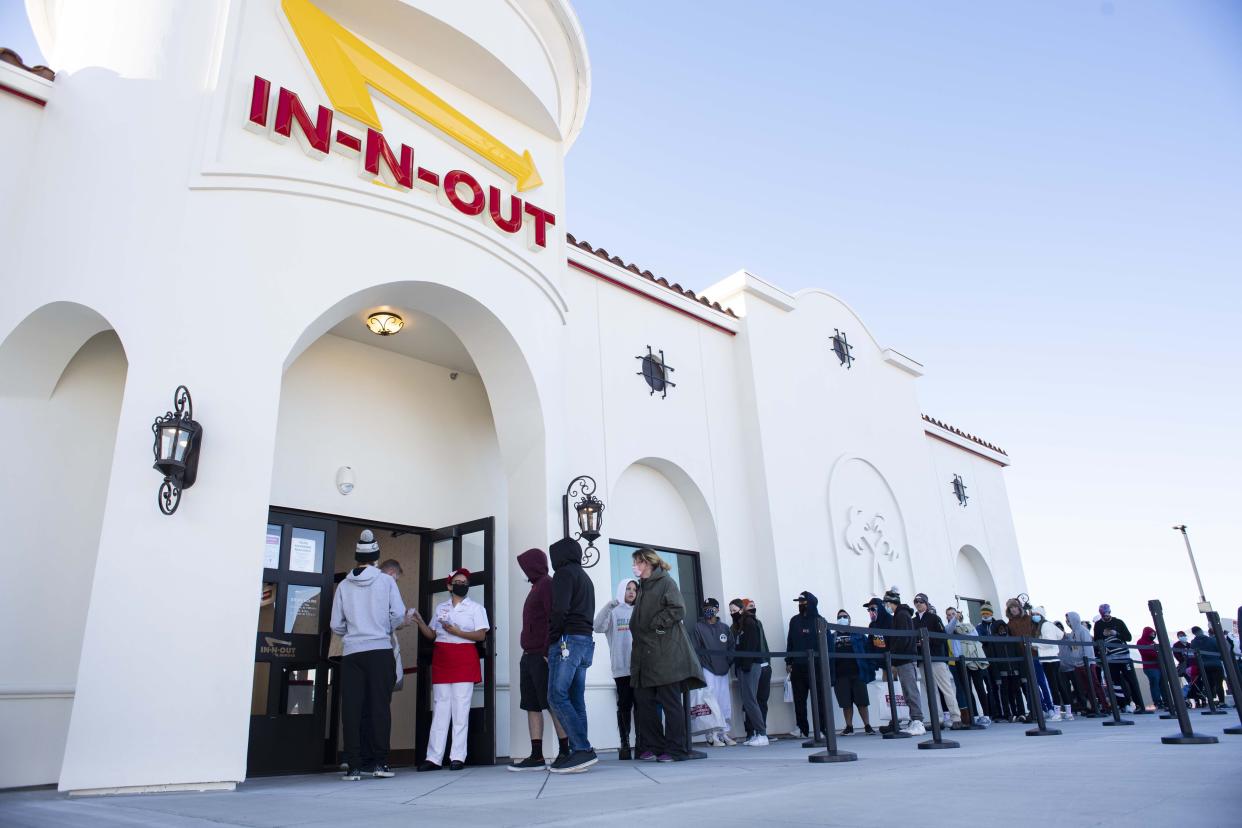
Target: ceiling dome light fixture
{"type": "Point", "coordinates": [383, 323]}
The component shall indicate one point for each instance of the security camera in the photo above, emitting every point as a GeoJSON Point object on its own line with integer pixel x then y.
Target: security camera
{"type": "Point", "coordinates": [345, 480]}
{"type": "Point", "coordinates": [452, 375]}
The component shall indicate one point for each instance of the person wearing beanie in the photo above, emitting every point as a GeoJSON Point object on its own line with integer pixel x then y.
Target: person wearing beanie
{"type": "Point", "coordinates": [458, 625]}
{"type": "Point", "coordinates": [533, 666]}
{"type": "Point", "coordinates": [803, 635]}
{"type": "Point", "coordinates": [571, 648]}
{"type": "Point", "coordinates": [903, 650]}
{"type": "Point", "coordinates": [366, 609]}
{"type": "Point", "coordinates": [748, 669]}
{"type": "Point", "coordinates": [926, 618]}
{"type": "Point", "coordinates": [1116, 635]}
{"type": "Point", "coordinates": [987, 621]}
{"type": "Point", "coordinates": [1020, 626]}
{"type": "Point", "coordinates": [613, 620]}
{"type": "Point", "coordinates": [713, 639]}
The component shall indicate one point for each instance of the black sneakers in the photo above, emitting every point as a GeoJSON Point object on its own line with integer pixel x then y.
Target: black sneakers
{"type": "Point", "coordinates": [457, 764]}
{"type": "Point", "coordinates": [429, 766]}
{"type": "Point", "coordinates": [379, 772]}
{"type": "Point", "coordinates": [352, 775]}
{"type": "Point", "coordinates": [530, 763]}
{"type": "Point", "coordinates": [576, 762]}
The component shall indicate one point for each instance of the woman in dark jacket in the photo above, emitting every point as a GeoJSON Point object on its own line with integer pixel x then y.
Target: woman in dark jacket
{"type": "Point", "coordinates": [662, 663]}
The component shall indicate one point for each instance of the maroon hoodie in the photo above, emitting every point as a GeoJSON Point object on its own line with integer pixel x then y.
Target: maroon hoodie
{"type": "Point", "coordinates": [538, 607]}
{"type": "Point", "coordinates": [1150, 657]}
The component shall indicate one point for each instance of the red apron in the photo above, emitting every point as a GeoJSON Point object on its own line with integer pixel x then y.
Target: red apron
{"type": "Point", "coordinates": [452, 663]}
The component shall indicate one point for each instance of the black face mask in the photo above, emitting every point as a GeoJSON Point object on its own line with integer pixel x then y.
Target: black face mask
{"type": "Point", "coordinates": [461, 590]}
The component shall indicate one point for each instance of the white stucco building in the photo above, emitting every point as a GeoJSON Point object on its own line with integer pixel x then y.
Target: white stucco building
{"type": "Point", "coordinates": [218, 194]}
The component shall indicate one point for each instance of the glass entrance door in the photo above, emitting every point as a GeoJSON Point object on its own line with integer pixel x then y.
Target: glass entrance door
{"type": "Point", "coordinates": [444, 550]}
{"type": "Point", "coordinates": [290, 699]}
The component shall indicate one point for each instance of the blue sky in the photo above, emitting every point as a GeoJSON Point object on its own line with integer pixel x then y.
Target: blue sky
{"type": "Point", "coordinates": [1040, 201]}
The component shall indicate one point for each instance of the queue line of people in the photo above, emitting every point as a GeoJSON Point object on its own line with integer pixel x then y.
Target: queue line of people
{"type": "Point", "coordinates": [655, 656]}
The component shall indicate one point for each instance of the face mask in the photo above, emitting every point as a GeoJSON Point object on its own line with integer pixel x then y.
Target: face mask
{"type": "Point", "coordinates": [1182, 638]}
{"type": "Point", "coordinates": [1037, 618]}
{"type": "Point", "coordinates": [638, 573]}
{"type": "Point", "coordinates": [987, 618]}
{"type": "Point", "coordinates": [734, 614]}
{"type": "Point", "coordinates": [461, 590]}
{"type": "Point", "coordinates": [843, 619]}
{"type": "Point", "coordinates": [710, 612]}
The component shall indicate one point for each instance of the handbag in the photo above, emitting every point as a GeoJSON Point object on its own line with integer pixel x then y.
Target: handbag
{"type": "Point", "coordinates": [704, 712]}
{"type": "Point", "coordinates": [788, 690]}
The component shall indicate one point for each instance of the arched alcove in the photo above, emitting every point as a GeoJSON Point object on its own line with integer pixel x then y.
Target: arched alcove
{"type": "Point", "coordinates": [62, 377]}
{"type": "Point", "coordinates": [973, 576]}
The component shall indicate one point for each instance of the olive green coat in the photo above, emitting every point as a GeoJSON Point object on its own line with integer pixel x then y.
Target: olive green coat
{"type": "Point", "coordinates": [662, 653]}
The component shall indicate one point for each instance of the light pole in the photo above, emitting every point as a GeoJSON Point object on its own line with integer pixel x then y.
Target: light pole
{"type": "Point", "coordinates": [1204, 606]}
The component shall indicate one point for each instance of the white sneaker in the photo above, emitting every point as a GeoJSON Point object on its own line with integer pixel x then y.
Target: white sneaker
{"type": "Point", "coordinates": [983, 720]}
{"type": "Point", "coordinates": [797, 734]}
{"type": "Point", "coordinates": [1067, 714]}
{"type": "Point", "coordinates": [758, 740]}
{"type": "Point", "coordinates": [916, 728]}
{"type": "Point", "coordinates": [726, 739]}
{"type": "Point", "coordinates": [1054, 716]}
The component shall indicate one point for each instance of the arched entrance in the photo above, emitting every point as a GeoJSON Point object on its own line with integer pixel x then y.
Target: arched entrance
{"type": "Point", "coordinates": [974, 582]}
{"type": "Point", "coordinates": [62, 376]}
{"type": "Point", "coordinates": [440, 428]}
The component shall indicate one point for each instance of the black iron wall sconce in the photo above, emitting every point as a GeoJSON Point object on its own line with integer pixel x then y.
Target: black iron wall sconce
{"type": "Point", "coordinates": [178, 437]}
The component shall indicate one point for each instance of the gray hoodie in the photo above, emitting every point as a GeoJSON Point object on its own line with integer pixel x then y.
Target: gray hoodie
{"type": "Point", "coordinates": [613, 620]}
{"type": "Point", "coordinates": [366, 610]}
{"type": "Point", "coordinates": [1072, 657]}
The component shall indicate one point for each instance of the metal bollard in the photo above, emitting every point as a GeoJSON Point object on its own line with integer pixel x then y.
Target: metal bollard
{"type": "Point", "coordinates": [817, 729]}
{"type": "Point", "coordinates": [1041, 725]}
{"type": "Point", "coordinates": [1116, 721]}
{"type": "Point", "coordinates": [1171, 688]}
{"type": "Point", "coordinates": [1207, 689]}
{"type": "Point", "coordinates": [1187, 736]}
{"type": "Point", "coordinates": [933, 698]}
{"type": "Point", "coordinates": [1230, 666]}
{"type": "Point", "coordinates": [964, 678]}
{"type": "Point", "coordinates": [894, 731]}
{"type": "Point", "coordinates": [830, 725]}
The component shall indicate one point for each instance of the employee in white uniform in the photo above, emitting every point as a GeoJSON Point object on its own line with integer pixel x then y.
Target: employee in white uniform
{"type": "Point", "coordinates": [456, 626]}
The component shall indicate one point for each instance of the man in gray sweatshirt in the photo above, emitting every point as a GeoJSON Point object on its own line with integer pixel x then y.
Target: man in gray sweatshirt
{"type": "Point", "coordinates": [365, 611]}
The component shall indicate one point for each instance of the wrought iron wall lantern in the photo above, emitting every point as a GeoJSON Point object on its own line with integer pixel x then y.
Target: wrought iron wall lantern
{"type": "Point", "coordinates": [959, 490]}
{"type": "Point", "coordinates": [842, 348]}
{"type": "Point", "coordinates": [590, 511]}
{"type": "Point", "coordinates": [178, 438]}
{"type": "Point", "coordinates": [655, 372]}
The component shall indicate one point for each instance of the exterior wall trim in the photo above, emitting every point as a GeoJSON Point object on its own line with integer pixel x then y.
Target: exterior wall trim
{"type": "Point", "coordinates": [636, 289]}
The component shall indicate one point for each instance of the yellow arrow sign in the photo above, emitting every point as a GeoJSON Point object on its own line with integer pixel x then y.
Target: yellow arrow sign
{"type": "Point", "coordinates": [346, 66]}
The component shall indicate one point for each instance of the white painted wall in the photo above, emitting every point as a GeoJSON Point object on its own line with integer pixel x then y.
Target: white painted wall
{"type": "Point", "coordinates": [221, 258]}
{"type": "Point", "coordinates": [57, 460]}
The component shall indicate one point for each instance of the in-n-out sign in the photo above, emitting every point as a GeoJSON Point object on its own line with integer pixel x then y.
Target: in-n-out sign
{"type": "Point", "coordinates": [347, 68]}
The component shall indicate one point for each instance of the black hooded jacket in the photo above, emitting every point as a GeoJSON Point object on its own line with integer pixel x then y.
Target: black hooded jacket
{"type": "Point", "coordinates": [903, 619]}
{"type": "Point", "coordinates": [877, 643]}
{"type": "Point", "coordinates": [803, 632]}
{"type": "Point", "coordinates": [573, 594]}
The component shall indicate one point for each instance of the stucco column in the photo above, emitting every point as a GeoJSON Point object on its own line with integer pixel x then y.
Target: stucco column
{"type": "Point", "coordinates": [164, 681]}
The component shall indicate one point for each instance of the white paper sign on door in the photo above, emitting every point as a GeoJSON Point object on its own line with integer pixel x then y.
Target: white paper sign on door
{"type": "Point", "coordinates": [271, 551]}
{"type": "Point", "coordinates": [302, 557]}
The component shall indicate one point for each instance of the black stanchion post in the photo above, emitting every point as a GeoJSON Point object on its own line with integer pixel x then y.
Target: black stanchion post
{"type": "Point", "coordinates": [1172, 687]}
{"type": "Point", "coordinates": [817, 728]}
{"type": "Point", "coordinates": [830, 725]}
{"type": "Point", "coordinates": [894, 732]}
{"type": "Point", "coordinates": [1112, 694]}
{"type": "Point", "coordinates": [1187, 736]}
{"type": "Point", "coordinates": [964, 678]}
{"type": "Point", "coordinates": [1230, 666]}
{"type": "Point", "coordinates": [1207, 688]}
{"type": "Point", "coordinates": [1041, 725]}
{"type": "Point", "coordinates": [933, 698]}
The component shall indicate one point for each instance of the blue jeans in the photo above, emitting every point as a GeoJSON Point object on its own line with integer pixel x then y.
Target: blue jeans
{"type": "Point", "coordinates": [1156, 685]}
{"type": "Point", "coordinates": [1045, 693]}
{"type": "Point", "coordinates": [567, 686]}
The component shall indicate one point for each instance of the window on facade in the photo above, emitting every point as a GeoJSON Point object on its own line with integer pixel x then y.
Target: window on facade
{"type": "Point", "coordinates": [684, 569]}
{"type": "Point", "coordinates": [655, 372]}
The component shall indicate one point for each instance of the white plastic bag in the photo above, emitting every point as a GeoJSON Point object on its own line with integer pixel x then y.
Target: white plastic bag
{"type": "Point", "coordinates": [704, 712]}
{"type": "Point", "coordinates": [788, 690]}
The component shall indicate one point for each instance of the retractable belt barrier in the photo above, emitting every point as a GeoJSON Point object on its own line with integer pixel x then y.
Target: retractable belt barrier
{"type": "Point", "coordinates": [1089, 655]}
